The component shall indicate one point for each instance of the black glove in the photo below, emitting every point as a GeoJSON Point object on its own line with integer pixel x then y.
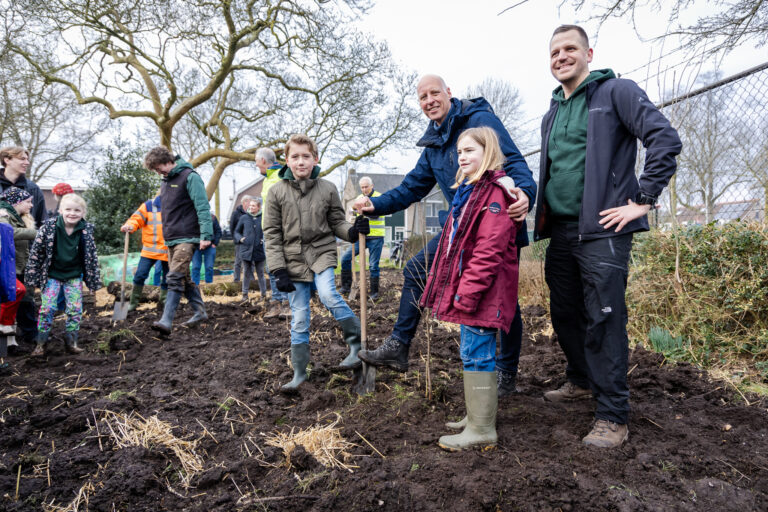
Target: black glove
{"type": "Point", "coordinates": [361, 225]}
{"type": "Point", "coordinates": [283, 281]}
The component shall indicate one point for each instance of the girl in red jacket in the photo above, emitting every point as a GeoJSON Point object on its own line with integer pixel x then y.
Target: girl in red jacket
{"type": "Point", "coordinates": [473, 281]}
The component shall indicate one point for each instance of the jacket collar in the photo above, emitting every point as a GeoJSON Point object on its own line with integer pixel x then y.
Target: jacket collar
{"type": "Point", "coordinates": [436, 136]}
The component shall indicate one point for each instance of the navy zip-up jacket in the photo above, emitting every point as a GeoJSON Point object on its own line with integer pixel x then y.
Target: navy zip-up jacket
{"type": "Point", "coordinates": [439, 161]}
{"type": "Point", "coordinates": [619, 114]}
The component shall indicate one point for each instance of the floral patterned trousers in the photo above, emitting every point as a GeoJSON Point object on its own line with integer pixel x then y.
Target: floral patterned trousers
{"type": "Point", "coordinates": [73, 295]}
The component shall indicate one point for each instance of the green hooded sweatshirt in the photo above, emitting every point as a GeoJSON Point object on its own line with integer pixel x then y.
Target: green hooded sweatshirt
{"type": "Point", "coordinates": [196, 191]}
{"type": "Point", "coordinates": [567, 150]}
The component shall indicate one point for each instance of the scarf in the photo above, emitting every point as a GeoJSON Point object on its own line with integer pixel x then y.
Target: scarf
{"type": "Point", "coordinates": [460, 198]}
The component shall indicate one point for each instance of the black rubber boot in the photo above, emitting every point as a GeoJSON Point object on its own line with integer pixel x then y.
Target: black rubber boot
{"type": "Point", "coordinates": [70, 343]}
{"type": "Point", "coordinates": [391, 354]}
{"type": "Point", "coordinates": [163, 326]}
{"type": "Point", "coordinates": [350, 327]}
{"type": "Point", "coordinates": [506, 382]}
{"type": "Point", "coordinates": [299, 362]}
{"type": "Point", "coordinates": [346, 282]}
{"type": "Point", "coordinates": [192, 293]}
{"type": "Point", "coordinates": [374, 288]}
{"type": "Point", "coordinates": [135, 297]}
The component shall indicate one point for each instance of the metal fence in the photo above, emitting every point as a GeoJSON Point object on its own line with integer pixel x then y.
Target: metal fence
{"type": "Point", "coordinates": [722, 171]}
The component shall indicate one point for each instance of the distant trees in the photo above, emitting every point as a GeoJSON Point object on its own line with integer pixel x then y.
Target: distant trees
{"type": "Point", "coordinates": [505, 100]}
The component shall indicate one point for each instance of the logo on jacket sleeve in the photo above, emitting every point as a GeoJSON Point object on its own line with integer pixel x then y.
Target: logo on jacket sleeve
{"type": "Point", "coordinates": [494, 207]}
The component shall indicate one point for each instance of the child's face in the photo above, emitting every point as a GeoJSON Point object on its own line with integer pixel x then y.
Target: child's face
{"type": "Point", "coordinates": [24, 207]}
{"type": "Point", "coordinates": [470, 155]}
{"type": "Point", "coordinates": [301, 161]}
{"type": "Point", "coordinates": [72, 212]}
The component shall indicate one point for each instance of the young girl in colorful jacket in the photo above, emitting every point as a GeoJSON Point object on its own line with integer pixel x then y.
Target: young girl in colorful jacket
{"type": "Point", "coordinates": [473, 280]}
{"type": "Point", "coordinates": [63, 256]}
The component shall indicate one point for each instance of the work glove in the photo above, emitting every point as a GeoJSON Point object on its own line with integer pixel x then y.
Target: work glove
{"type": "Point", "coordinates": [361, 225]}
{"type": "Point", "coordinates": [283, 281]}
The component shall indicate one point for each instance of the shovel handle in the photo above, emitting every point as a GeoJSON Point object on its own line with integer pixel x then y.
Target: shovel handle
{"type": "Point", "coordinates": [125, 266]}
{"type": "Point", "coordinates": [363, 296]}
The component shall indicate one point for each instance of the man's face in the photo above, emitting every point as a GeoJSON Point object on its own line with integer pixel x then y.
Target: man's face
{"type": "Point", "coordinates": [301, 161]}
{"type": "Point", "coordinates": [262, 165]}
{"type": "Point", "coordinates": [164, 169]}
{"type": "Point", "coordinates": [434, 99]}
{"type": "Point", "coordinates": [17, 164]}
{"type": "Point", "coordinates": [366, 188]}
{"type": "Point", "coordinates": [569, 58]}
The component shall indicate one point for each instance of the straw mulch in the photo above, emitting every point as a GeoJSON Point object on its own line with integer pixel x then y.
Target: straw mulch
{"type": "Point", "coordinates": [324, 443]}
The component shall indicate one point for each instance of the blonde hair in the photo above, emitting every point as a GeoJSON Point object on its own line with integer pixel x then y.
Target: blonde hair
{"type": "Point", "coordinates": [11, 152]}
{"type": "Point", "coordinates": [75, 199]}
{"type": "Point", "coordinates": [493, 158]}
{"type": "Point", "coordinates": [304, 140]}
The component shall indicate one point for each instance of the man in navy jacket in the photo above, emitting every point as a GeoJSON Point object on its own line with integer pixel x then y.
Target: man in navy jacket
{"type": "Point", "coordinates": [438, 165]}
{"type": "Point", "coordinates": [590, 203]}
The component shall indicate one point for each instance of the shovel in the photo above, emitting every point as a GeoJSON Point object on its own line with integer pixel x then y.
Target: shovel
{"type": "Point", "coordinates": [121, 308]}
{"type": "Point", "coordinates": [353, 290]}
{"type": "Point", "coordinates": [364, 378]}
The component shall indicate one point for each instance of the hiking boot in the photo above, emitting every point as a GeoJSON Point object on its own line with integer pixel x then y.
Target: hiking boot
{"type": "Point", "coordinates": [606, 434]}
{"type": "Point", "coordinates": [192, 293]}
{"type": "Point", "coordinates": [163, 326]}
{"type": "Point", "coordinates": [135, 297]}
{"type": "Point", "coordinates": [40, 347]}
{"type": "Point", "coordinates": [244, 300]}
{"type": "Point", "coordinates": [481, 398]}
{"type": "Point", "coordinates": [350, 327]}
{"type": "Point", "coordinates": [374, 288]}
{"type": "Point", "coordinates": [273, 310]}
{"type": "Point", "coordinates": [285, 311]}
{"type": "Point", "coordinates": [70, 343]}
{"type": "Point", "coordinates": [299, 362]}
{"type": "Point", "coordinates": [506, 382]}
{"type": "Point", "coordinates": [567, 392]}
{"type": "Point", "coordinates": [346, 282]}
{"type": "Point", "coordinates": [391, 354]}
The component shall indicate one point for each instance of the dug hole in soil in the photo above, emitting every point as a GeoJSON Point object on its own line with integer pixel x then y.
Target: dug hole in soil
{"type": "Point", "coordinates": [693, 445]}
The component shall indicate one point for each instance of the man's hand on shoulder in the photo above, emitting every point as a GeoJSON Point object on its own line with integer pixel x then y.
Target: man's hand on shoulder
{"type": "Point", "coordinates": [363, 205]}
{"type": "Point", "coordinates": [519, 209]}
{"type": "Point", "coordinates": [622, 215]}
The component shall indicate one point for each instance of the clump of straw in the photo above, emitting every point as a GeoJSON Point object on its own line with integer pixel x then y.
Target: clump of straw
{"type": "Point", "coordinates": [325, 443]}
{"type": "Point", "coordinates": [135, 430]}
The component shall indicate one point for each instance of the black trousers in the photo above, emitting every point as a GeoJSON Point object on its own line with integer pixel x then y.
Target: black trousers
{"type": "Point", "coordinates": [587, 281]}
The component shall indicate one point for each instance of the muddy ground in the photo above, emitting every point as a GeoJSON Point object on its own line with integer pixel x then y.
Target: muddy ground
{"type": "Point", "coordinates": [694, 444]}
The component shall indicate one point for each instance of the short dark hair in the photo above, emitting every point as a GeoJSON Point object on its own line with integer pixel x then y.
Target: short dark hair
{"type": "Point", "coordinates": [158, 156]}
{"type": "Point", "coordinates": [568, 28]}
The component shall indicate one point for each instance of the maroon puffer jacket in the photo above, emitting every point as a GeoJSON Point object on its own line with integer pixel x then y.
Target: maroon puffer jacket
{"type": "Point", "coordinates": [474, 281]}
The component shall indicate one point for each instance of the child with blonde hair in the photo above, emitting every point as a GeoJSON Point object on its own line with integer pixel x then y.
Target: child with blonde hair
{"type": "Point", "coordinates": [63, 256]}
{"type": "Point", "coordinates": [473, 280]}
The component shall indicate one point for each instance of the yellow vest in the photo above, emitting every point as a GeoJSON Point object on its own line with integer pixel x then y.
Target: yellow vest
{"type": "Point", "coordinates": [377, 223]}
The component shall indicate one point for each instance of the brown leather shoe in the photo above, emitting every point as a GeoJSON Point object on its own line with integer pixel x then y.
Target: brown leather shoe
{"type": "Point", "coordinates": [567, 392]}
{"type": "Point", "coordinates": [285, 311]}
{"type": "Point", "coordinates": [273, 309]}
{"type": "Point", "coordinates": [607, 434]}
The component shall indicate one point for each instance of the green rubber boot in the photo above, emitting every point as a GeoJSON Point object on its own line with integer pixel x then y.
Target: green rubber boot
{"type": "Point", "coordinates": [299, 361]}
{"type": "Point", "coordinates": [161, 300]}
{"type": "Point", "coordinates": [351, 329]}
{"type": "Point", "coordinates": [135, 297]}
{"type": "Point", "coordinates": [480, 395]}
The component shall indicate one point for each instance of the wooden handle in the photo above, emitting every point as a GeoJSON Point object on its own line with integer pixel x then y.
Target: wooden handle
{"type": "Point", "coordinates": [363, 296]}
{"type": "Point", "coordinates": [125, 266]}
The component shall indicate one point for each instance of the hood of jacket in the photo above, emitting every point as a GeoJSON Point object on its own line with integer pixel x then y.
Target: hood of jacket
{"type": "Point", "coordinates": [437, 135]}
{"type": "Point", "coordinates": [598, 75]}
{"type": "Point", "coordinates": [181, 164]}
{"type": "Point", "coordinates": [286, 173]}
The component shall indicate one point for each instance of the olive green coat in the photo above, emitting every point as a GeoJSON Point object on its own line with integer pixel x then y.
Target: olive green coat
{"type": "Point", "coordinates": [23, 235]}
{"type": "Point", "coordinates": [300, 223]}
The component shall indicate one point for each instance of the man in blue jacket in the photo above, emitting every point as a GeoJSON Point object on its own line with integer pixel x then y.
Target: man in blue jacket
{"type": "Point", "coordinates": [448, 117]}
{"type": "Point", "coordinates": [590, 203]}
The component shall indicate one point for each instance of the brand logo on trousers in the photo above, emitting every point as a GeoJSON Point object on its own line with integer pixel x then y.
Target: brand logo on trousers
{"type": "Point", "coordinates": [606, 309]}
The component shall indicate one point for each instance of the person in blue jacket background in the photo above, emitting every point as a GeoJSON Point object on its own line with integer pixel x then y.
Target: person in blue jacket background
{"type": "Point", "coordinates": [448, 117]}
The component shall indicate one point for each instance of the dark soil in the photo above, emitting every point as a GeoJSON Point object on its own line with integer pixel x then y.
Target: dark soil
{"type": "Point", "coordinates": [693, 445]}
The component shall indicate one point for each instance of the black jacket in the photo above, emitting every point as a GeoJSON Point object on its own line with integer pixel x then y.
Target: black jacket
{"type": "Point", "coordinates": [252, 248]}
{"type": "Point", "coordinates": [216, 230]}
{"type": "Point", "coordinates": [620, 113]}
{"type": "Point", "coordinates": [39, 211]}
{"type": "Point", "coordinates": [233, 220]}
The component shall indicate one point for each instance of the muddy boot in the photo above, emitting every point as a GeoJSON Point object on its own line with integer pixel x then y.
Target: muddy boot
{"type": "Point", "coordinates": [192, 293]}
{"type": "Point", "coordinates": [457, 425]}
{"type": "Point", "coordinates": [374, 288]}
{"type": "Point", "coordinates": [70, 343]}
{"type": "Point", "coordinates": [135, 297]}
{"type": "Point", "coordinates": [606, 434]}
{"type": "Point", "coordinates": [42, 340]}
{"type": "Point", "coordinates": [350, 327]}
{"type": "Point", "coordinates": [391, 354]}
{"type": "Point", "coordinates": [481, 398]}
{"type": "Point", "coordinates": [567, 392]}
{"type": "Point", "coordinates": [285, 311]}
{"type": "Point", "coordinates": [506, 382]}
{"type": "Point", "coordinates": [272, 310]}
{"type": "Point", "coordinates": [161, 300]}
{"type": "Point", "coordinates": [346, 282]}
{"type": "Point", "coordinates": [299, 361]}
{"type": "Point", "coordinates": [163, 326]}
{"type": "Point", "coordinates": [244, 300]}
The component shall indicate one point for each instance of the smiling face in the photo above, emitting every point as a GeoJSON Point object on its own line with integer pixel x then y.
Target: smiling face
{"type": "Point", "coordinates": [254, 207]}
{"type": "Point", "coordinates": [301, 160]}
{"type": "Point", "coordinates": [71, 211]}
{"type": "Point", "coordinates": [569, 59]}
{"type": "Point", "coordinates": [471, 155]}
{"type": "Point", "coordinates": [16, 165]}
{"type": "Point", "coordinates": [434, 98]}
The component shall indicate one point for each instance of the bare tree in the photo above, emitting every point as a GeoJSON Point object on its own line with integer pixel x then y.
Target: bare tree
{"type": "Point", "coordinates": [242, 74]}
{"type": "Point", "coordinates": [730, 24]}
{"type": "Point", "coordinates": [505, 100]}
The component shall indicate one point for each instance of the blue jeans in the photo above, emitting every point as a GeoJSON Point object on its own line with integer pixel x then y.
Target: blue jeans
{"type": "Point", "coordinates": [374, 246]}
{"type": "Point", "coordinates": [511, 341]}
{"type": "Point", "coordinates": [299, 301]}
{"type": "Point", "coordinates": [156, 279]}
{"type": "Point", "coordinates": [478, 348]}
{"type": "Point", "coordinates": [143, 268]}
{"type": "Point", "coordinates": [209, 255]}
{"type": "Point", "coordinates": [277, 295]}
